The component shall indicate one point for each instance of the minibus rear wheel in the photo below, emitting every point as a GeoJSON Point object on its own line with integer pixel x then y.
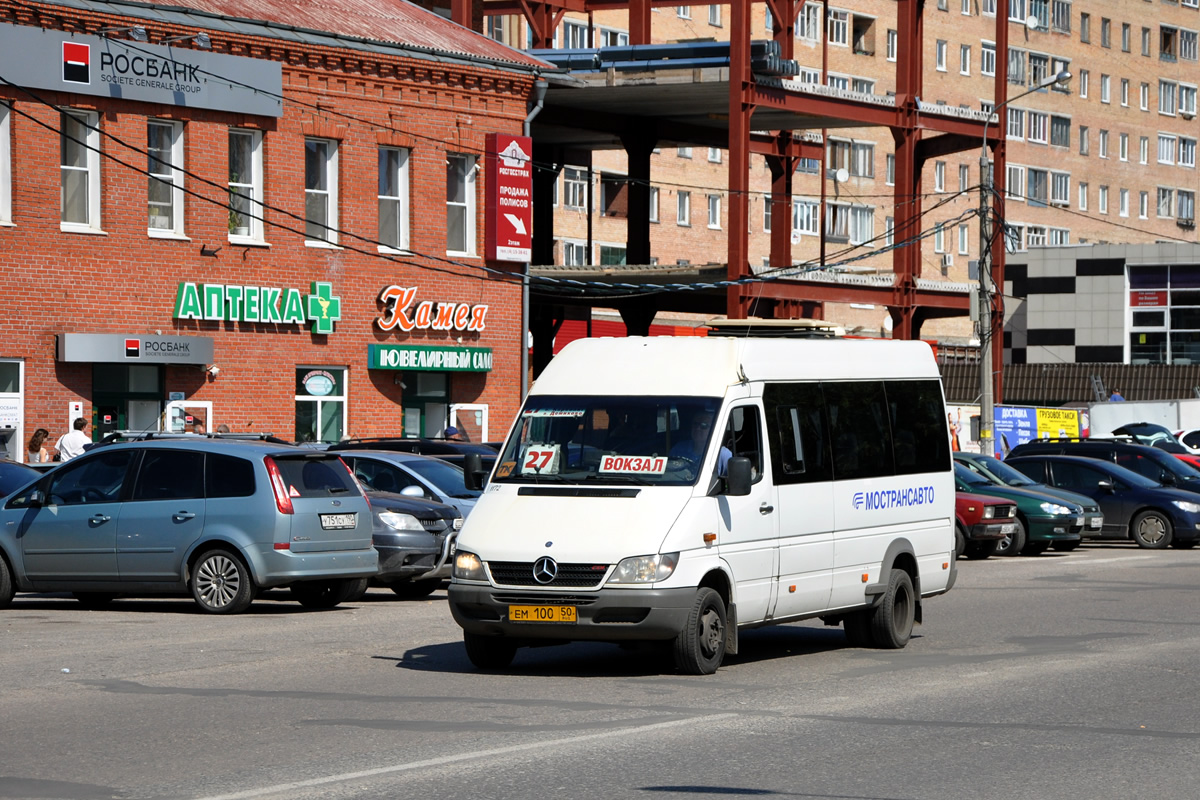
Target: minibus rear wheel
{"type": "Point", "coordinates": [489, 652]}
{"type": "Point", "coordinates": [892, 622]}
{"type": "Point", "coordinates": [700, 646]}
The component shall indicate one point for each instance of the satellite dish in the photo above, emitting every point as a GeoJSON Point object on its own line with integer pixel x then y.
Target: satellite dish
{"type": "Point", "coordinates": [842, 175]}
{"type": "Point", "coordinates": [1031, 22]}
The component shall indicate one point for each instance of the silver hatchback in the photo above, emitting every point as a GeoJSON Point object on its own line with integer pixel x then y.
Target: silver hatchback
{"type": "Point", "coordinates": [220, 520]}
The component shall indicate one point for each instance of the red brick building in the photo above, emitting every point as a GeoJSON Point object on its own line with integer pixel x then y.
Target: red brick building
{"type": "Point", "coordinates": [266, 215]}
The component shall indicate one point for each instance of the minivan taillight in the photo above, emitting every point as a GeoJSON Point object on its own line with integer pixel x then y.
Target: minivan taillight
{"type": "Point", "coordinates": [282, 500]}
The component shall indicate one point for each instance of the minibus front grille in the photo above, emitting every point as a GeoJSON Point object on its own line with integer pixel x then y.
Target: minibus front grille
{"type": "Point", "coordinates": [521, 573]}
{"type": "Point", "coordinates": [543, 599]}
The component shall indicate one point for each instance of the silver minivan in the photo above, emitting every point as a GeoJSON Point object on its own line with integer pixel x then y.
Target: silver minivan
{"type": "Point", "coordinates": [220, 520]}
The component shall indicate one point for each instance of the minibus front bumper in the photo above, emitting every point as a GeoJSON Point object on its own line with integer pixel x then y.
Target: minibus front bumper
{"type": "Point", "coordinates": [607, 615]}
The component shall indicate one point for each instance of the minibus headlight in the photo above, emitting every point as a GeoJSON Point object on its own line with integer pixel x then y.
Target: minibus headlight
{"type": "Point", "coordinates": [400, 522]}
{"type": "Point", "coordinates": [468, 567]}
{"type": "Point", "coordinates": [1055, 508]}
{"type": "Point", "coordinates": [645, 569]}
{"type": "Point", "coordinates": [1184, 505]}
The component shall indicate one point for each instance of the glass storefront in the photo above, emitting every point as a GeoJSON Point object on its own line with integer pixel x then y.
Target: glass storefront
{"type": "Point", "coordinates": [320, 404]}
{"type": "Point", "coordinates": [1165, 314]}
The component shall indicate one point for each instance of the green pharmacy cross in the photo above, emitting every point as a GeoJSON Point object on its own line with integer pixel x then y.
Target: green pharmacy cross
{"type": "Point", "coordinates": [324, 308]}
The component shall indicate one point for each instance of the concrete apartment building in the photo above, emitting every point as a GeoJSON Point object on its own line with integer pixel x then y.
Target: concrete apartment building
{"type": "Point", "coordinates": [1110, 157]}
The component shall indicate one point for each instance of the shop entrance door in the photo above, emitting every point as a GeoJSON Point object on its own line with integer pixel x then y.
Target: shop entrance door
{"type": "Point", "coordinates": [471, 419]}
{"type": "Point", "coordinates": [125, 397]}
{"type": "Point", "coordinates": [183, 416]}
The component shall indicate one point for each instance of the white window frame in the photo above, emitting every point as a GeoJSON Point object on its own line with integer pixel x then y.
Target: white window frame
{"type": "Point", "coordinates": [1015, 124]}
{"type": "Point", "coordinates": [987, 58]}
{"type": "Point", "coordinates": [889, 176]}
{"type": "Point", "coordinates": [964, 59]}
{"type": "Point", "coordinates": [1123, 203]}
{"type": "Point", "coordinates": [939, 176]}
{"type": "Point", "coordinates": [1038, 127]}
{"type": "Point", "coordinates": [1144, 150]}
{"type": "Point", "coordinates": [253, 190]}
{"type": "Point", "coordinates": [1102, 200]}
{"type": "Point", "coordinates": [1168, 92]}
{"type": "Point", "coordinates": [714, 16]}
{"type": "Point", "coordinates": [1083, 196]}
{"type": "Point", "coordinates": [575, 186]}
{"type": "Point", "coordinates": [808, 22]}
{"type": "Point", "coordinates": [714, 155]}
{"type": "Point", "coordinates": [400, 199]}
{"type": "Point", "coordinates": [1060, 189]}
{"type": "Point", "coordinates": [5, 164]}
{"type": "Point", "coordinates": [169, 174]}
{"type": "Point", "coordinates": [1014, 188]}
{"type": "Point", "coordinates": [1123, 147]}
{"type": "Point", "coordinates": [940, 54]}
{"type": "Point", "coordinates": [1103, 144]}
{"type": "Point", "coordinates": [964, 239]}
{"type": "Point", "coordinates": [1187, 100]}
{"type": "Point", "coordinates": [327, 194]}
{"type": "Point", "coordinates": [1105, 85]}
{"type": "Point", "coordinates": [1167, 193]}
{"type": "Point", "coordinates": [343, 398]}
{"type": "Point", "coordinates": [654, 204]}
{"type": "Point", "coordinates": [1187, 152]}
{"type": "Point", "coordinates": [838, 22]}
{"type": "Point", "coordinates": [892, 45]}
{"type": "Point", "coordinates": [1144, 97]}
{"type": "Point", "coordinates": [1083, 83]}
{"type": "Point", "coordinates": [469, 203]}
{"type": "Point", "coordinates": [683, 209]}
{"type": "Point", "coordinates": [90, 120]}
{"type": "Point", "coordinates": [939, 238]}
{"type": "Point", "coordinates": [1143, 205]}
{"type": "Point", "coordinates": [806, 215]}
{"type": "Point", "coordinates": [714, 212]}
{"type": "Point", "coordinates": [1124, 92]}
{"type": "Point", "coordinates": [1167, 143]}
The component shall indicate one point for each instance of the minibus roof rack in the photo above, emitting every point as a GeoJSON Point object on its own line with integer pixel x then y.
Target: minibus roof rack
{"type": "Point", "coordinates": [776, 328]}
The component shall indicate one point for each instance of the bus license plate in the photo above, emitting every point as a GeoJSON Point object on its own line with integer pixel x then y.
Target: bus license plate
{"type": "Point", "coordinates": [541, 614]}
{"type": "Point", "coordinates": [331, 522]}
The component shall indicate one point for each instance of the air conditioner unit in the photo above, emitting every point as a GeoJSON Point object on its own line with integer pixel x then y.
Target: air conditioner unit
{"type": "Point", "coordinates": [948, 260]}
{"type": "Point", "coordinates": [1187, 115]}
{"type": "Point", "coordinates": [1186, 222]}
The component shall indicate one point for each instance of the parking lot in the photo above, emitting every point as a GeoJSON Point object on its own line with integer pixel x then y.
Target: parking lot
{"type": "Point", "coordinates": [1061, 675]}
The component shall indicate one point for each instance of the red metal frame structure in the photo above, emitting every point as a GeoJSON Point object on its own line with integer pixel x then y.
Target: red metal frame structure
{"type": "Point", "coordinates": [918, 137]}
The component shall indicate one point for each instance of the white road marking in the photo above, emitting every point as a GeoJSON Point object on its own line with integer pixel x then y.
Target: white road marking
{"type": "Point", "coordinates": [284, 788]}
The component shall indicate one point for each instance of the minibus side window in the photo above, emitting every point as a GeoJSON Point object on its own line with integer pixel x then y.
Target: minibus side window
{"type": "Point", "coordinates": [798, 433]}
{"type": "Point", "coordinates": [858, 420]}
{"type": "Point", "coordinates": [920, 435]}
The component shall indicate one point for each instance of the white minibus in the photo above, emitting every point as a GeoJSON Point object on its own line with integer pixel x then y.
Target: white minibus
{"type": "Point", "coordinates": [681, 489]}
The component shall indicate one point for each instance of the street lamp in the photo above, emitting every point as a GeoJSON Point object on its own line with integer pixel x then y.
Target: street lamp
{"type": "Point", "coordinates": [986, 405]}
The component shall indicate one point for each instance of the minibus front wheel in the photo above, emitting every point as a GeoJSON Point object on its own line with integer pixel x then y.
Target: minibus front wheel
{"type": "Point", "coordinates": [700, 646]}
{"type": "Point", "coordinates": [489, 652]}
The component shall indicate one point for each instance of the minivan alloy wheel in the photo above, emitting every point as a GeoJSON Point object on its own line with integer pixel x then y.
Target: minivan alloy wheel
{"type": "Point", "coordinates": [221, 583]}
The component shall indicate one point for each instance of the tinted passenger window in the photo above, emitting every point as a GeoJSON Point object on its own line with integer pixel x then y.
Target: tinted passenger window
{"type": "Point", "coordinates": [94, 479]}
{"type": "Point", "coordinates": [309, 477]}
{"type": "Point", "coordinates": [1141, 465]}
{"type": "Point", "coordinates": [229, 476]}
{"type": "Point", "coordinates": [380, 477]}
{"type": "Point", "coordinates": [1076, 477]}
{"type": "Point", "coordinates": [858, 422]}
{"type": "Point", "coordinates": [170, 475]}
{"type": "Point", "coordinates": [799, 432]}
{"type": "Point", "coordinates": [920, 438]}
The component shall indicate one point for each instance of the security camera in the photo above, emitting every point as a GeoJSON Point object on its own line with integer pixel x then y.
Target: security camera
{"type": "Point", "coordinates": [214, 370]}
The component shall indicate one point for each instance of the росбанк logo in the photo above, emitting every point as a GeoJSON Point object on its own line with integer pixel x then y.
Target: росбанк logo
{"type": "Point", "coordinates": [77, 62]}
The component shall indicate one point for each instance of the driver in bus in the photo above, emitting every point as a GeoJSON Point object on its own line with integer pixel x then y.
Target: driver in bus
{"type": "Point", "coordinates": [692, 449]}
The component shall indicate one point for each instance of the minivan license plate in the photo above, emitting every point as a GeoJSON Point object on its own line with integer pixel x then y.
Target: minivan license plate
{"type": "Point", "coordinates": [332, 522]}
{"type": "Point", "coordinates": [541, 614]}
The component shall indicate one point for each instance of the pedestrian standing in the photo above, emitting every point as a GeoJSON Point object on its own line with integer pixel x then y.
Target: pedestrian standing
{"type": "Point", "coordinates": [953, 433]}
{"type": "Point", "coordinates": [72, 444]}
{"type": "Point", "coordinates": [38, 454]}
{"type": "Point", "coordinates": [1115, 397]}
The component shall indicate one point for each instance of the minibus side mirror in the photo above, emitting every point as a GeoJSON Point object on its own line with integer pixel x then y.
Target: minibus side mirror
{"type": "Point", "coordinates": [474, 474]}
{"type": "Point", "coordinates": [738, 477]}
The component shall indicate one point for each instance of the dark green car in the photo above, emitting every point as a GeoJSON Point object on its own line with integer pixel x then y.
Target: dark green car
{"type": "Point", "coordinates": [998, 472]}
{"type": "Point", "coordinates": [1042, 519]}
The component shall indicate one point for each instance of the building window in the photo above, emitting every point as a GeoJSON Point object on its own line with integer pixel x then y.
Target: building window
{"type": "Point", "coordinates": [964, 59]}
{"type": "Point", "coordinates": [1060, 16]}
{"type": "Point", "coordinates": [164, 190]}
{"type": "Point", "coordinates": [987, 58]}
{"type": "Point", "coordinates": [1105, 81]}
{"type": "Point", "coordinates": [1016, 11]}
{"type": "Point", "coordinates": [1143, 205]}
{"type": "Point", "coordinates": [1187, 152]}
{"type": "Point", "coordinates": [714, 16]}
{"type": "Point", "coordinates": [1016, 123]}
{"type": "Point", "coordinates": [393, 198]}
{"type": "Point", "coordinates": [320, 404]}
{"type": "Point", "coordinates": [862, 86]}
{"type": "Point", "coordinates": [964, 178]}
{"type": "Point", "coordinates": [683, 12]}
{"type": "Point", "coordinates": [1037, 186]}
{"type": "Point", "coordinates": [654, 204]}
{"type": "Point", "coordinates": [1104, 144]}
{"type": "Point", "coordinates": [940, 54]}
{"type": "Point", "coordinates": [575, 186]}
{"type": "Point", "coordinates": [714, 211]}
{"type": "Point", "coordinates": [1144, 150]}
{"type": "Point", "coordinates": [1187, 45]}
{"type": "Point", "coordinates": [839, 28]}
{"type": "Point", "coordinates": [684, 152]}
{"type": "Point", "coordinates": [1085, 28]}
{"type": "Point", "coordinates": [320, 190]}
{"type": "Point", "coordinates": [939, 176]}
{"type": "Point", "coordinates": [805, 216]}
{"type": "Point", "coordinates": [1038, 123]}
{"type": "Point", "coordinates": [1185, 205]}
{"type": "Point", "coordinates": [891, 45]}
{"type": "Point", "coordinates": [808, 22]}
{"type": "Point", "coordinates": [1144, 97]}
{"type": "Point", "coordinates": [964, 239]}
{"type": "Point", "coordinates": [1123, 203]}
{"type": "Point", "coordinates": [1187, 100]}
{"type": "Point", "coordinates": [1125, 36]}
{"type": "Point", "coordinates": [245, 185]}
{"type": "Point", "coordinates": [1015, 188]}
{"type": "Point", "coordinates": [1168, 43]}
{"type": "Point", "coordinates": [1105, 32]}
{"type": "Point", "coordinates": [1083, 83]}
{"type": "Point", "coordinates": [460, 204]}
{"type": "Point", "coordinates": [939, 239]}
{"type": "Point", "coordinates": [1039, 68]}
{"type": "Point", "coordinates": [80, 170]}
{"type": "Point", "coordinates": [889, 231]}
{"type": "Point", "coordinates": [1146, 42]}
{"type": "Point", "coordinates": [1165, 198]}
{"type": "Point", "coordinates": [1125, 92]}
{"type": "Point", "coordinates": [1060, 188]}
{"type": "Point", "coordinates": [714, 155]}
{"type": "Point", "coordinates": [1166, 149]}
{"type": "Point", "coordinates": [1060, 131]}
{"type": "Point", "coordinates": [1083, 196]}
{"type": "Point", "coordinates": [1084, 142]}
{"type": "Point", "coordinates": [862, 159]}
{"type": "Point", "coordinates": [766, 213]}
{"type": "Point", "coordinates": [1035, 236]}
{"type": "Point", "coordinates": [574, 254]}
{"type": "Point", "coordinates": [890, 170]}
{"type": "Point", "coordinates": [1102, 202]}
{"type": "Point", "coordinates": [683, 208]}
{"type": "Point", "coordinates": [1016, 67]}
{"type": "Point", "coordinates": [575, 35]}
{"type": "Point", "coordinates": [1167, 91]}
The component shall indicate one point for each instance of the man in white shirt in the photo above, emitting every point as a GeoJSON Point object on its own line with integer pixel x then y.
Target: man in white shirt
{"type": "Point", "coordinates": [72, 444]}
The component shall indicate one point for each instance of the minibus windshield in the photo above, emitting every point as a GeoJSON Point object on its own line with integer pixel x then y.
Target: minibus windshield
{"type": "Point", "coordinates": [622, 440]}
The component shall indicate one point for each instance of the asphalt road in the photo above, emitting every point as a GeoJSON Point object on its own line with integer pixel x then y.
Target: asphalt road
{"type": "Point", "coordinates": [1059, 676]}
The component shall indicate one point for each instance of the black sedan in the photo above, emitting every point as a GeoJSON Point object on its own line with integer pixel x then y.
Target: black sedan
{"type": "Point", "coordinates": [1134, 507]}
{"type": "Point", "coordinates": [415, 540]}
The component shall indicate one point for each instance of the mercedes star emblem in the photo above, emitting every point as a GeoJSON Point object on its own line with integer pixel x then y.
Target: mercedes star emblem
{"type": "Point", "coordinates": [545, 570]}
